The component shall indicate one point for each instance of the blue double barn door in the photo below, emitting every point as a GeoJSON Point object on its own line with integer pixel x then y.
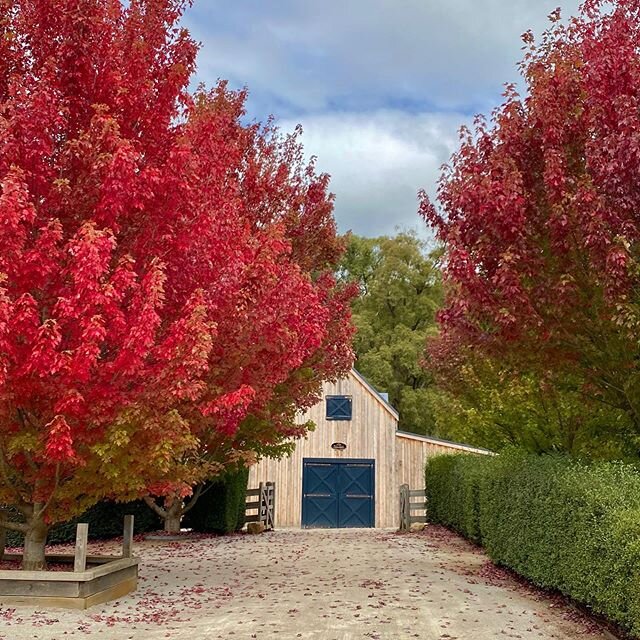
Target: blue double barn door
{"type": "Point", "coordinates": [338, 493]}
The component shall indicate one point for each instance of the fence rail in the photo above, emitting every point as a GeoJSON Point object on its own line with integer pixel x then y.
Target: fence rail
{"type": "Point", "coordinates": [263, 506]}
{"type": "Point", "coordinates": [409, 505]}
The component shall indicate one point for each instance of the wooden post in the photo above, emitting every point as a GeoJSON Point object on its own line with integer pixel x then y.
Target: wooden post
{"type": "Point", "coordinates": [262, 505]}
{"type": "Point", "coordinates": [265, 505]}
{"type": "Point", "coordinates": [273, 505]}
{"type": "Point", "coordinates": [127, 538]}
{"type": "Point", "coordinates": [269, 501]}
{"type": "Point", "coordinates": [82, 536]}
{"type": "Point", "coordinates": [405, 507]}
{"type": "Point", "coordinates": [4, 515]}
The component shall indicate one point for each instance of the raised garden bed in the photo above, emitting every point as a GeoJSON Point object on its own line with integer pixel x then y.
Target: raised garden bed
{"type": "Point", "coordinates": [90, 580]}
{"type": "Point", "coordinates": [165, 536]}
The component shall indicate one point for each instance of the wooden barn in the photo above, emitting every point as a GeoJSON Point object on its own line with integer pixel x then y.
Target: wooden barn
{"type": "Point", "coordinates": [347, 472]}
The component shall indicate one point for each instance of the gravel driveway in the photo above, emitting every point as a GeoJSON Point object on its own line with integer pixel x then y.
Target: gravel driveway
{"type": "Point", "coordinates": [338, 584]}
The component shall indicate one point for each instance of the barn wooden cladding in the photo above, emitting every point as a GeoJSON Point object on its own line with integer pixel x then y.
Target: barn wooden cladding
{"type": "Point", "coordinates": [347, 472]}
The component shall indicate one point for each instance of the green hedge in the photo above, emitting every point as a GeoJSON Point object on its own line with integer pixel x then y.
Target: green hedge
{"type": "Point", "coordinates": [221, 507]}
{"type": "Point", "coordinates": [564, 524]}
{"type": "Point", "coordinates": [220, 510]}
{"type": "Point", "coordinates": [105, 520]}
{"type": "Point", "coordinates": [453, 488]}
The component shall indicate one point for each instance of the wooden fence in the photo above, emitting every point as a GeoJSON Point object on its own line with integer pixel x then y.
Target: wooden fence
{"type": "Point", "coordinates": [409, 505]}
{"type": "Point", "coordinates": [261, 502]}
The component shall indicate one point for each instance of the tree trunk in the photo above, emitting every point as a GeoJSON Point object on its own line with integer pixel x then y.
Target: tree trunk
{"type": "Point", "coordinates": [172, 523]}
{"type": "Point", "coordinates": [35, 539]}
{"type": "Point", "coordinates": [173, 516]}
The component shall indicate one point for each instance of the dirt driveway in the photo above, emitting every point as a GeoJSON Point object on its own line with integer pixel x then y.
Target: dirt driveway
{"type": "Point", "coordinates": [340, 584]}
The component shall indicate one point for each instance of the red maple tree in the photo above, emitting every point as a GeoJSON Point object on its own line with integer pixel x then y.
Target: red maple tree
{"type": "Point", "coordinates": [540, 216]}
{"type": "Point", "coordinates": [283, 325]}
{"type": "Point", "coordinates": [163, 267]}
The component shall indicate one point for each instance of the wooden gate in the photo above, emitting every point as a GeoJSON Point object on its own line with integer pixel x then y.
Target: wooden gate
{"type": "Point", "coordinates": [409, 505]}
{"type": "Point", "coordinates": [263, 507]}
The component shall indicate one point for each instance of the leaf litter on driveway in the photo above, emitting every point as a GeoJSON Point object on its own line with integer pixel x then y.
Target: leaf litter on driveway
{"type": "Point", "coordinates": [314, 584]}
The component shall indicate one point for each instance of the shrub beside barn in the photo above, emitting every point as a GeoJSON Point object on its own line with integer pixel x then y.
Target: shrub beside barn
{"type": "Point", "coordinates": [562, 523]}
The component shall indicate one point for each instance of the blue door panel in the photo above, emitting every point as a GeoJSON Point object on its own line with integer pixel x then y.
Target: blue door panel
{"type": "Point", "coordinates": [338, 493]}
{"type": "Point", "coordinates": [355, 512]}
{"type": "Point", "coordinates": [356, 488]}
{"type": "Point", "coordinates": [321, 512]}
{"type": "Point", "coordinates": [320, 506]}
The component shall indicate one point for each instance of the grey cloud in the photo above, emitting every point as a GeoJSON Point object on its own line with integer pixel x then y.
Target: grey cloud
{"type": "Point", "coordinates": [380, 86]}
{"type": "Point", "coordinates": [362, 54]}
{"type": "Point", "coordinates": [378, 162]}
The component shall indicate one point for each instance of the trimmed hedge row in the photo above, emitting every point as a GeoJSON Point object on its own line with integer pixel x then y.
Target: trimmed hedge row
{"type": "Point", "coordinates": [563, 524]}
{"type": "Point", "coordinates": [105, 521]}
{"type": "Point", "coordinates": [221, 508]}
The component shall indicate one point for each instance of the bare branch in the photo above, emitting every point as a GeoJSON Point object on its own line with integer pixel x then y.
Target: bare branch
{"type": "Point", "coordinates": [156, 507]}
{"type": "Point", "coordinates": [20, 527]}
{"type": "Point", "coordinates": [40, 512]}
{"type": "Point", "coordinates": [194, 498]}
{"type": "Point", "coordinates": [4, 472]}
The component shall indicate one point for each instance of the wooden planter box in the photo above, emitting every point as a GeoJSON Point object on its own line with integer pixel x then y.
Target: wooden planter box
{"type": "Point", "coordinates": [91, 580]}
{"type": "Point", "coordinates": [109, 579]}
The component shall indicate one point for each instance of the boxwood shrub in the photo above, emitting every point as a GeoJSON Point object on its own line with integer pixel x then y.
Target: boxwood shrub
{"type": "Point", "coordinates": [105, 520]}
{"type": "Point", "coordinates": [220, 510]}
{"type": "Point", "coordinates": [453, 492]}
{"type": "Point", "coordinates": [562, 523]}
{"type": "Point", "coordinates": [221, 507]}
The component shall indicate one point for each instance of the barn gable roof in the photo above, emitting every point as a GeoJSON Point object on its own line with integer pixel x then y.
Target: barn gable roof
{"type": "Point", "coordinates": [444, 443]}
{"type": "Point", "coordinates": [376, 395]}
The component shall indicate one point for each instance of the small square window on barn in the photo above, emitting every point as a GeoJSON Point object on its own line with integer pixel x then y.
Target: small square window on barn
{"type": "Point", "coordinates": [338, 407]}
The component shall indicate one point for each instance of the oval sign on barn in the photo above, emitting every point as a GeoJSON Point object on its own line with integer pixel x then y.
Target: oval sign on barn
{"type": "Point", "coordinates": [340, 446]}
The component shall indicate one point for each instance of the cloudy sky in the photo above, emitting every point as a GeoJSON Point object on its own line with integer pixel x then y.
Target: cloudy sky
{"type": "Point", "coordinates": [379, 86]}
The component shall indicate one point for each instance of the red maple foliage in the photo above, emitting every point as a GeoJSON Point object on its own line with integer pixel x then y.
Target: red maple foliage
{"type": "Point", "coordinates": [282, 324]}
{"type": "Point", "coordinates": [540, 215]}
{"type": "Point", "coordinates": [163, 267]}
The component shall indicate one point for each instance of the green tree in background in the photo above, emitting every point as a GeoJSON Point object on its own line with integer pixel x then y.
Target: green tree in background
{"type": "Point", "coordinates": [400, 293]}
{"type": "Point", "coordinates": [477, 400]}
{"type": "Point", "coordinates": [488, 404]}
